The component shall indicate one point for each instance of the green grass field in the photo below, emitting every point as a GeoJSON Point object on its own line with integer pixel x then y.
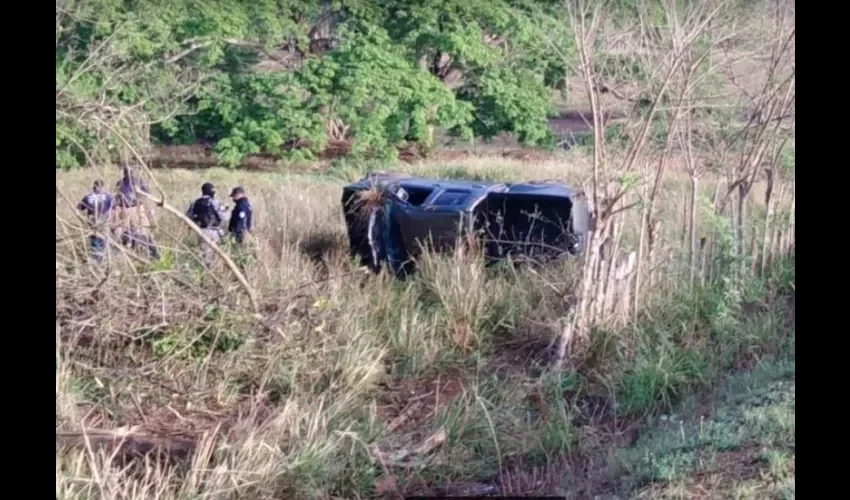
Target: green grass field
{"type": "Point", "coordinates": [738, 443]}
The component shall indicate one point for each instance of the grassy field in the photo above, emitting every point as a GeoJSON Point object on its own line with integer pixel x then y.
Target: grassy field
{"type": "Point", "coordinates": [348, 385]}
{"type": "Point", "coordinates": [739, 443]}
{"type": "Point", "coordinates": [303, 376]}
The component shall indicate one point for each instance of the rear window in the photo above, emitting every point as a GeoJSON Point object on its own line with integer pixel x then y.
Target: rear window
{"type": "Point", "coordinates": [451, 198]}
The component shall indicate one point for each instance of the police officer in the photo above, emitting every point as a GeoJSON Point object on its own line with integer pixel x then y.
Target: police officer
{"type": "Point", "coordinates": [97, 205]}
{"type": "Point", "coordinates": [125, 188]}
{"type": "Point", "coordinates": [241, 216]}
{"type": "Point", "coordinates": [206, 212]}
{"type": "Point", "coordinates": [135, 221]}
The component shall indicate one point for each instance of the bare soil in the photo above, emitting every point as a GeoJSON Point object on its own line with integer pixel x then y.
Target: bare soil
{"type": "Point", "coordinates": [580, 121]}
{"type": "Point", "coordinates": [406, 404]}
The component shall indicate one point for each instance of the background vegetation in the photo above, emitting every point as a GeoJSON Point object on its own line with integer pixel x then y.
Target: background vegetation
{"type": "Point", "coordinates": [285, 78]}
{"type": "Point", "coordinates": [301, 376]}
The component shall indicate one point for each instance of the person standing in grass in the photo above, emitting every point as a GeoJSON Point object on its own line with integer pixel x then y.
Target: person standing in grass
{"type": "Point", "coordinates": [134, 219]}
{"type": "Point", "coordinates": [241, 221]}
{"type": "Point", "coordinates": [206, 212]}
{"type": "Point", "coordinates": [97, 205]}
{"type": "Point", "coordinates": [242, 215]}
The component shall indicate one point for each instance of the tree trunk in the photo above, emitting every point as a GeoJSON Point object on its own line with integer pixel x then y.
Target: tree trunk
{"type": "Point", "coordinates": [740, 229]}
{"type": "Point", "coordinates": [767, 237]}
{"type": "Point", "coordinates": [692, 225]}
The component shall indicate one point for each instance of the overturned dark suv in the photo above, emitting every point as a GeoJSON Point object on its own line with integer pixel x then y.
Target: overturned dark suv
{"type": "Point", "coordinates": [392, 217]}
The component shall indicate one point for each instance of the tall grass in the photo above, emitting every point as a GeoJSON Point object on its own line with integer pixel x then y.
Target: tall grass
{"type": "Point", "coordinates": [295, 403]}
{"type": "Point", "coordinates": [301, 376]}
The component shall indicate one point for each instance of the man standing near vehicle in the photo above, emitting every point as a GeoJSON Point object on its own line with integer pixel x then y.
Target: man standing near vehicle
{"type": "Point", "coordinates": [97, 205]}
{"type": "Point", "coordinates": [134, 219]}
{"type": "Point", "coordinates": [206, 212]}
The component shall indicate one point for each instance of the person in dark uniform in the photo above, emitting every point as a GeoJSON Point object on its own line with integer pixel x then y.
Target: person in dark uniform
{"type": "Point", "coordinates": [97, 205]}
{"type": "Point", "coordinates": [126, 188]}
{"type": "Point", "coordinates": [134, 219]}
{"type": "Point", "coordinates": [242, 215]}
{"type": "Point", "coordinates": [207, 213]}
{"type": "Point", "coordinates": [241, 219]}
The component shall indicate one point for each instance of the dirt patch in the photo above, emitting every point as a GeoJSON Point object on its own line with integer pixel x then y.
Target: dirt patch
{"type": "Point", "coordinates": [581, 121]}
{"type": "Point", "coordinates": [405, 404]}
{"type": "Point", "coordinates": [201, 156]}
{"type": "Point", "coordinates": [515, 479]}
{"type": "Point", "coordinates": [588, 472]}
{"type": "Point", "coordinates": [741, 464]}
{"type": "Point", "coordinates": [519, 479]}
{"type": "Point", "coordinates": [594, 470]}
{"type": "Point", "coordinates": [529, 347]}
{"type": "Point", "coordinates": [495, 151]}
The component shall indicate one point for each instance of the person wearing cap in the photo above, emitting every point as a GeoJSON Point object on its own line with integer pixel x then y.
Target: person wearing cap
{"type": "Point", "coordinates": [97, 205]}
{"type": "Point", "coordinates": [207, 213]}
{"type": "Point", "coordinates": [135, 222]}
{"type": "Point", "coordinates": [241, 216]}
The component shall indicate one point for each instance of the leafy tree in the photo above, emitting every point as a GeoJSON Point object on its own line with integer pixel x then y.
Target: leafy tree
{"type": "Point", "coordinates": [283, 77]}
{"type": "Point", "coordinates": [371, 86]}
{"type": "Point", "coordinates": [122, 67]}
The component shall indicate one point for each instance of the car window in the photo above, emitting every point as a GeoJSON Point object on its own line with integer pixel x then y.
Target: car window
{"type": "Point", "coordinates": [451, 198]}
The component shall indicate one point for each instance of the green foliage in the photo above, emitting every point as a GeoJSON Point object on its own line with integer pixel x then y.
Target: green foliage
{"type": "Point", "coordinates": [216, 332]}
{"type": "Point", "coordinates": [123, 66]}
{"type": "Point", "coordinates": [380, 75]}
{"type": "Point", "coordinates": [388, 100]}
{"type": "Point", "coordinates": [664, 366]}
{"type": "Point", "coordinates": [387, 74]}
{"type": "Point", "coordinates": [659, 376]}
{"type": "Point", "coordinates": [510, 101]}
{"type": "Point", "coordinates": [751, 419]}
{"type": "Point", "coordinates": [252, 113]}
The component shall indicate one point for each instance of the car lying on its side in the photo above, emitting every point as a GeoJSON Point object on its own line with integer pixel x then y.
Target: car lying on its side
{"type": "Point", "coordinates": [392, 217]}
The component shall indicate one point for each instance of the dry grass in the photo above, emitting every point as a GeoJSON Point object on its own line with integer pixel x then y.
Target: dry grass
{"type": "Point", "coordinates": [350, 385]}
{"type": "Point", "coordinates": [170, 384]}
